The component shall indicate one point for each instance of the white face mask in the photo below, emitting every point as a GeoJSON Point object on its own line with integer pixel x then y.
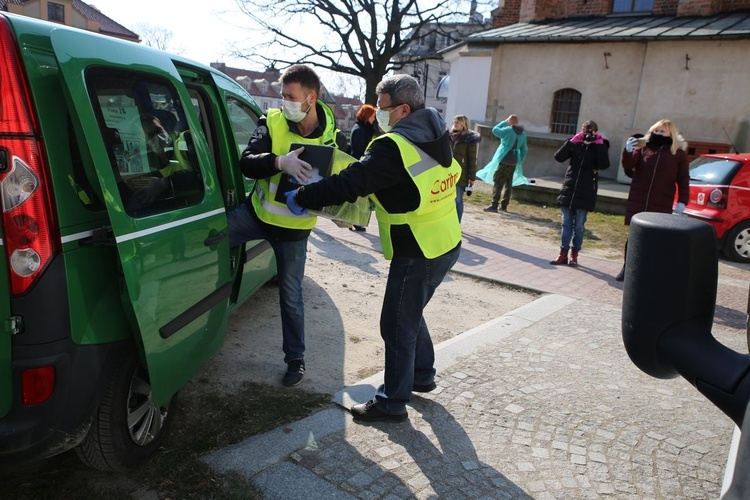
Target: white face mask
{"type": "Point", "coordinates": [383, 118]}
{"type": "Point", "coordinates": [293, 110]}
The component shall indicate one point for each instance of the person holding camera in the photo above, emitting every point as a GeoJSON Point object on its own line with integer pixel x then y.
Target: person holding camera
{"type": "Point", "coordinates": [587, 154]}
{"type": "Point", "coordinates": [658, 165]}
{"type": "Point", "coordinates": [464, 143]}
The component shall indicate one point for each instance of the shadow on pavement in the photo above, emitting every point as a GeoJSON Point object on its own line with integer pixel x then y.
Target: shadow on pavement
{"type": "Point", "coordinates": [470, 258]}
{"type": "Point", "coordinates": [446, 456]}
{"type": "Point", "coordinates": [334, 249]}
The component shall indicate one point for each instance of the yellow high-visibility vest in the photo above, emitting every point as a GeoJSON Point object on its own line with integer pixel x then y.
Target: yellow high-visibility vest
{"type": "Point", "coordinates": [263, 198]}
{"type": "Point", "coordinates": [435, 221]}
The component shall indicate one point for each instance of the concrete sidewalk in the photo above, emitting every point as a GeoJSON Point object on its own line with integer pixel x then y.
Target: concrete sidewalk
{"type": "Point", "coordinates": [542, 402]}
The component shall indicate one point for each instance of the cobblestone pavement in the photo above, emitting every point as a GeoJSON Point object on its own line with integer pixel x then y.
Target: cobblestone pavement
{"type": "Point", "coordinates": [540, 403]}
{"type": "Point", "coordinates": [556, 411]}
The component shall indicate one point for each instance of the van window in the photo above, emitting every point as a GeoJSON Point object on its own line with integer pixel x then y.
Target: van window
{"type": "Point", "coordinates": [244, 122]}
{"type": "Point", "coordinates": [148, 141]}
{"type": "Point", "coordinates": [200, 105]}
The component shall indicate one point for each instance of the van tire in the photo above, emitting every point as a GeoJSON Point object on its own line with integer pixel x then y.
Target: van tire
{"type": "Point", "coordinates": [111, 445]}
{"type": "Point", "coordinates": [738, 237]}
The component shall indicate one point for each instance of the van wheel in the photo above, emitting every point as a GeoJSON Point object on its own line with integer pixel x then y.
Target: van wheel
{"type": "Point", "coordinates": [737, 243]}
{"type": "Point", "coordinates": [128, 427]}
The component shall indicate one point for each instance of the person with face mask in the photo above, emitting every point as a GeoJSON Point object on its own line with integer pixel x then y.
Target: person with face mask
{"type": "Point", "coordinates": [659, 167]}
{"type": "Point", "coordinates": [586, 152]}
{"type": "Point", "coordinates": [304, 119]}
{"type": "Point", "coordinates": [411, 176]}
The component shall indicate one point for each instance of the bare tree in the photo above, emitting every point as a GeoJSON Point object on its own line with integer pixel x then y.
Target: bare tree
{"type": "Point", "coordinates": [155, 36]}
{"type": "Point", "coordinates": [355, 37]}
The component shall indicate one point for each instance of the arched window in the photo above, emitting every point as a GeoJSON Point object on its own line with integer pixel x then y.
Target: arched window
{"type": "Point", "coordinates": [565, 108]}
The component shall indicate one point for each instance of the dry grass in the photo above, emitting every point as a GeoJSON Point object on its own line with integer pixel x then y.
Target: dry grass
{"type": "Point", "coordinates": [603, 231]}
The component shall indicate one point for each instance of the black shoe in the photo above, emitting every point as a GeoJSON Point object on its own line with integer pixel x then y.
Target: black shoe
{"type": "Point", "coordinates": [504, 208]}
{"type": "Point", "coordinates": [357, 228]}
{"type": "Point", "coordinates": [295, 371]}
{"type": "Point", "coordinates": [621, 275]}
{"type": "Point", "coordinates": [491, 208]}
{"type": "Point", "coordinates": [369, 412]}
{"type": "Point", "coordinates": [424, 387]}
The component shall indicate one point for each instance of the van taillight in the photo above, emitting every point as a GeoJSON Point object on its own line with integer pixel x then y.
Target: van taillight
{"type": "Point", "coordinates": [29, 228]}
{"type": "Point", "coordinates": [37, 384]}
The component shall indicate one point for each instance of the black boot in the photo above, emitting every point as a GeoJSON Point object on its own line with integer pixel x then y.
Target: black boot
{"type": "Point", "coordinates": [491, 208]}
{"type": "Point", "coordinates": [621, 275]}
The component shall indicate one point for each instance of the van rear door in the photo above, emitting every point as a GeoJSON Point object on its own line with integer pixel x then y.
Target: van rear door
{"type": "Point", "coordinates": [150, 157]}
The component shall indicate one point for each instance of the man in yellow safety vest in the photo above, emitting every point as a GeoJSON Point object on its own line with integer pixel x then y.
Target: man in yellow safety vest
{"type": "Point", "coordinates": [410, 175]}
{"type": "Point", "coordinates": [302, 119]}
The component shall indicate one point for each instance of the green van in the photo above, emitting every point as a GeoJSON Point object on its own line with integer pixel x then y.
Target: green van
{"type": "Point", "coordinates": [117, 167]}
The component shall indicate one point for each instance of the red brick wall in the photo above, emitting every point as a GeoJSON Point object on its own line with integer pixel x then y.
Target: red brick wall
{"type": "Point", "coordinates": [516, 11]}
{"type": "Point", "coordinates": [698, 7]}
{"type": "Point", "coordinates": [590, 8]}
{"type": "Point", "coordinates": [665, 7]}
{"type": "Point", "coordinates": [528, 7]}
{"type": "Point", "coordinates": [543, 9]}
{"type": "Point", "coordinates": [734, 5]}
{"type": "Point", "coordinates": [508, 15]}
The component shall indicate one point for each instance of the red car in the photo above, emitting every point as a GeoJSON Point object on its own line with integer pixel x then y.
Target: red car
{"type": "Point", "coordinates": [720, 195]}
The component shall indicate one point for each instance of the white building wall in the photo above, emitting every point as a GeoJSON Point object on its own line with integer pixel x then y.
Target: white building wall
{"type": "Point", "coordinates": [637, 84]}
{"type": "Point", "coordinates": [470, 79]}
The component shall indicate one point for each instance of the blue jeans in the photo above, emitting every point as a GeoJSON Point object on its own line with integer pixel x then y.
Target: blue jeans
{"type": "Point", "coordinates": [409, 355]}
{"type": "Point", "coordinates": [460, 201]}
{"type": "Point", "coordinates": [290, 268]}
{"type": "Point", "coordinates": [573, 222]}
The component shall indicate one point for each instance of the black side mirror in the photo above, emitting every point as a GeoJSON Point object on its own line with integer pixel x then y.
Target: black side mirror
{"type": "Point", "coordinates": [668, 309]}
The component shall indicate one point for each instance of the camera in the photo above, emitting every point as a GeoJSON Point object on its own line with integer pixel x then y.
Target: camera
{"type": "Point", "coordinates": [589, 137]}
{"type": "Point", "coordinates": [469, 190]}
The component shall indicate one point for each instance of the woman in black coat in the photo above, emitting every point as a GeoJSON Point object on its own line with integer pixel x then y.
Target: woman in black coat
{"type": "Point", "coordinates": [364, 130]}
{"type": "Point", "coordinates": [587, 152]}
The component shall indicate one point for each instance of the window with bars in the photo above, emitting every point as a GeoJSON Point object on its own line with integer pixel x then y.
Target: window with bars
{"type": "Point", "coordinates": [634, 6]}
{"type": "Point", "coordinates": [565, 107]}
{"type": "Point", "coordinates": [56, 12]}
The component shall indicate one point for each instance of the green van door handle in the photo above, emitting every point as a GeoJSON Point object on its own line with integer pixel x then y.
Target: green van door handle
{"type": "Point", "coordinates": [213, 240]}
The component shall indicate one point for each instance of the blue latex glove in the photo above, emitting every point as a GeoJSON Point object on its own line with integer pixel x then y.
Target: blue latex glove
{"type": "Point", "coordinates": [291, 203]}
{"type": "Point", "coordinates": [679, 208]}
{"type": "Point", "coordinates": [630, 144]}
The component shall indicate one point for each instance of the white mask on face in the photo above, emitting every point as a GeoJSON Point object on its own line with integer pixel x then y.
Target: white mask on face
{"type": "Point", "coordinates": [293, 110]}
{"type": "Point", "coordinates": [383, 118]}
